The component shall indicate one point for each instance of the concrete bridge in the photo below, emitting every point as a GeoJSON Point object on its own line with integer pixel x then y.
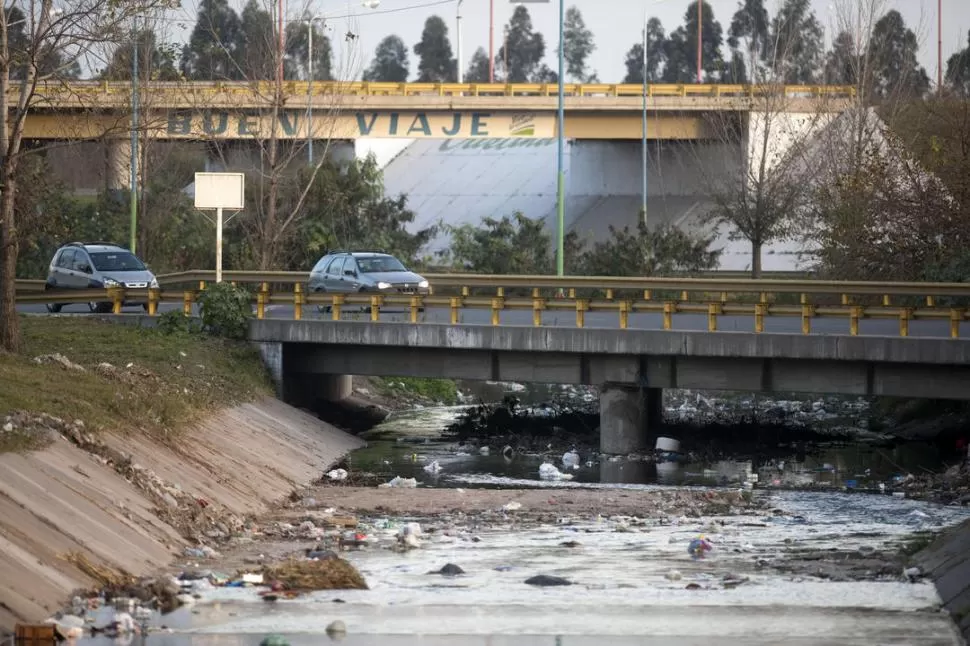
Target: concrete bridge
{"type": "Point", "coordinates": [310, 360]}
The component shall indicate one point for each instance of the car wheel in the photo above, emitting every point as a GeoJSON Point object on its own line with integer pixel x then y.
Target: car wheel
{"type": "Point", "coordinates": [53, 308]}
{"type": "Point", "coordinates": [322, 309]}
{"type": "Point", "coordinates": [100, 308]}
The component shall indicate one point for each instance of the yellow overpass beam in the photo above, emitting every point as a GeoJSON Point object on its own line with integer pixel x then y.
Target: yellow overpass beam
{"type": "Point", "coordinates": [201, 125]}
{"type": "Point", "coordinates": [358, 95]}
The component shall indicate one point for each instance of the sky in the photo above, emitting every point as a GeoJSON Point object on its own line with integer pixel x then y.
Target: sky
{"type": "Point", "coordinates": [616, 25]}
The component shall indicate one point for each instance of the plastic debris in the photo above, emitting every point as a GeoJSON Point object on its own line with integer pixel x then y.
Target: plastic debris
{"type": "Point", "coordinates": [570, 459]}
{"type": "Point", "coordinates": [434, 467]}
{"type": "Point", "coordinates": [548, 471]}
{"type": "Point", "coordinates": [698, 547]}
{"type": "Point", "coordinates": [337, 474]}
{"type": "Point", "coordinates": [512, 506]}
{"type": "Point", "coordinates": [254, 579]}
{"type": "Point", "coordinates": [400, 483]}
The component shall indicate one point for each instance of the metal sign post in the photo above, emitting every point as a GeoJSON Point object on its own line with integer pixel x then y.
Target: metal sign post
{"type": "Point", "coordinates": [220, 191]}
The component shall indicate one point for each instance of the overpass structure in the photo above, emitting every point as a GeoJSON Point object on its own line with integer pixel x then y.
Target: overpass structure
{"type": "Point", "coordinates": [632, 337]}
{"type": "Point", "coordinates": [350, 110]}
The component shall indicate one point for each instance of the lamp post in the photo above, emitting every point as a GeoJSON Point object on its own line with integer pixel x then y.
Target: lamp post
{"type": "Point", "coordinates": [367, 4]}
{"type": "Point", "coordinates": [133, 192]}
{"type": "Point", "coordinates": [560, 144]}
{"type": "Point", "coordinates": [646, 43]}
{"type": "Point", "coordinates": [458, 61]}
{"type": "Point", "coordinates": [309, 89]}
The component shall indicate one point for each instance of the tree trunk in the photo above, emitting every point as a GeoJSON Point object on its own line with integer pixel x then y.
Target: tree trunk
{"type": "Point", "coordinates": [9, 322]}
{"type": "Point", "coordinates": [756, 260]}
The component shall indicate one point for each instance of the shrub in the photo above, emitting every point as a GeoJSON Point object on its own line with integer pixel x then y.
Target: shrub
{"type": "Point", "coordinates": [175, 322]}
{"type": "Point", "coordinates": [226, 310]}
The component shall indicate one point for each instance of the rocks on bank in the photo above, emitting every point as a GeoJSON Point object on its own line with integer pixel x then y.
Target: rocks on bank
{"type": "Point", "coordinates": [90, 511]}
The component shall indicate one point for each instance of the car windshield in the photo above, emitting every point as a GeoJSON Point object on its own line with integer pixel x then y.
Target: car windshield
{"type": "Point", "coordinates": [117, 261]}
{"type": "Point", "coordinates": [380, 264]}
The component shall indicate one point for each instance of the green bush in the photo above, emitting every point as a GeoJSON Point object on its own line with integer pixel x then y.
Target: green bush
{"type": "Point", "coordinates": [226, 310]}
{"type": "Point", "coordinates": [175, 322]}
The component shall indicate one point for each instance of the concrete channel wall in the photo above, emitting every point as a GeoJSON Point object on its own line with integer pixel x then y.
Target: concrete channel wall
{"type": "Point", "coordinates": [947, 563]}
{"type": "Point", "coordinates": [63, 504]}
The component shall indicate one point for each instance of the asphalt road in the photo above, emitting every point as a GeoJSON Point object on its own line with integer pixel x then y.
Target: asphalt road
{"type": "Point", "coordinates": [638, 321]}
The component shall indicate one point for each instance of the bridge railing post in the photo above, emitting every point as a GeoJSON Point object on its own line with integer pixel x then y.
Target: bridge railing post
{"type": "Point", "coordinates": [415, 308]}
{"type": "Point", "coordinates": [581, 306]}
{"type": "Point", "coordinates": [375, 309]}
{"type": "Point", "coordinates": [538, 304]}
{"type": "Point", "coordinates": [760, 309]}
{"type": "Point", "coordinates": [154, 295]}
{"type": "Point", "coordinates": [335, 309]}
{"type": "Point", "coordinates": [808, 311]}
{"type": "Point", "coordinates": [497, 305]}
{"type": "Point", "coordinates": [905, 314]}
{"type": "Point", "coordinates": [625, 307]}
{"type": "Point", "coordinates": [117, 295]}
{"type": "Point", "coordinates": [455, 305]}
{"type": "Point", "coordinates": [187, 299]}
{"type": "Point", "coordinates": [855, 313]}
{"type": "Point", "coordinates": [713, 310]}
{"type": "Point", "coordinates": [261, 304]}
{"type": "Point", "coordinates": [956, 315]}
{"type": "Point", "coordinates": [668, 315]}
{"type": "Point", "coordinates": [297, 301]}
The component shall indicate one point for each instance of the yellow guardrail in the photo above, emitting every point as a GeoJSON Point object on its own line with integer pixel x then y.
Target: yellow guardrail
{"type": "Point", "coordinates": [50, 94]}
{"type": "Point", "coordinates": [807, 299]}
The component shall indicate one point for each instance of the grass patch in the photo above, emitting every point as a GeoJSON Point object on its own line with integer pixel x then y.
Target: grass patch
{"type": "Point", "coordinates": [438, 390]}
{"type": "Point", "coordinates": [917, 542]}
{"type": "Point", "coordinates": [154, 382]}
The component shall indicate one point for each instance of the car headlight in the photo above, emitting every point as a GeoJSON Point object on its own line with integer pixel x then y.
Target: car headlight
{"type": "Point", "coordinates": [153, 284]}
{"type": "Point", "coordinates": [383, 285]}
{"type": "Point", "coordinates": [111, 282]}
{"type": "Point", "coordinates": [423, 284]}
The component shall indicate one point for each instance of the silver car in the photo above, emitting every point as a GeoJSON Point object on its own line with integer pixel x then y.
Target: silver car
{"type": "Point", "coordinates": [97, 265]}
{"type": "Point", "coordinates": [348, 272]}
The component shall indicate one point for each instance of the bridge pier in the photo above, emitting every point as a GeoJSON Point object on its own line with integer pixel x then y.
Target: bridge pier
{"type": "Point", "coordinates": [627, 414]}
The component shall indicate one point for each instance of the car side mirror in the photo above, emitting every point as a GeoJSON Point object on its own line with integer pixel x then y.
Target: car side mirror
{"type": "Point", "coordinates": [350, 272]}
{"type": "Point", "coordinates": [84, 268]}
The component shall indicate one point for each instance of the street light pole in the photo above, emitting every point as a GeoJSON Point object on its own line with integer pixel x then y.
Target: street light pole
{"type": "Point", "coordinates": [491, 41]}
{"type": "Point", "coordinates": [560, 132]}
{"type": "Point", "coordinates": [646, 43]}
{"type": "Point", "coordinates": [700, 31]}
{"type": "Point", "coordinates": [309, 91]}
{"type": "Point", "coordinates": [939, 46]}
{"type": "Point", "coordinates": [458, 61]}
{"type": "Point", "coordinates": [133, 192]}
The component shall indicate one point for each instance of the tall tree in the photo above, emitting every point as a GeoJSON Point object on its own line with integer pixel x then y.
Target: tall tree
{"type": "Point", "coordinates": [390, 62]}
{"type": "Point", "coordinates": [578, 46]}
{"type": "Point", "coordinates": [842, 61]}
{"type": "Point", "coordinates": [477, 71]}
{"type": "Point", "coordinates": [523, 48]}
{"type": "Point", "coordinates": [156, 61]}
{"type": "Point", "coordinates": [656, 56]}
{"type": "Point", "coordinates": [298, 52]}
{"type": "Point", "coordinates": [435, 60]}
{"type": "Point", "coordinates": [748, 40]}
{"type": "Point", "coordinates": [892, 53]}
{"type": "Point", "coordinates": [796, 48]}
{"type": "Point", "coordinates": [255, 48]}
{"type": "Point", "coordinates": [210, 54]}
{"type": "Point", "coordinates": [681, 47]}
{"type": "Point", "coordinates": [68, 34]}
{"type": "Point", "coordinates": [958, 70]}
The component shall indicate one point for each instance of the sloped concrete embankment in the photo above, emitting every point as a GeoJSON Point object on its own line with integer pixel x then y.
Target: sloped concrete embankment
{"type": "Point", "coordinates": [947, 563]}
{"type": "Point", "coordinates": [67, 512]}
